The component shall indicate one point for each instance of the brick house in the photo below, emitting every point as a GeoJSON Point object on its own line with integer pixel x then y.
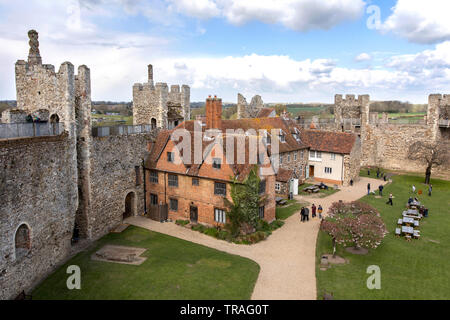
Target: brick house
{"type": "Point", "coordinates": [334, 157]}
{"type": "Point", "coordinates": [282, 181]}
{"type": "Point", "coordinates": [195, 190]}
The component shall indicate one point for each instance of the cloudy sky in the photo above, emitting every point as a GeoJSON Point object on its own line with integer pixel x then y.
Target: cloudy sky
{"type": "Point", "coordinates": [284, 50]}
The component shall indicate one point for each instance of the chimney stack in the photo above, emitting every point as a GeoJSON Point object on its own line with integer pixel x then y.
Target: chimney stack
{"type": "Point", "coordinates": [150, 74]}
{"type": "Point", "coordinates": [213, 113]}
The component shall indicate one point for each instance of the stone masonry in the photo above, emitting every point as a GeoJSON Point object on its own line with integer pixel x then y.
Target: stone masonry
{"type": "Point", "coordinates": [245, 110]}
{"type": "Point", "coordinates": [156, 105]}
{"type": "Point", "coordinates": [56, 187]}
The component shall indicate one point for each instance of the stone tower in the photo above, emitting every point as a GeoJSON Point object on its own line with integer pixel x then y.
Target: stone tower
{"type": "Point", "coordinates": [159, 107]}
{"type": "Point", "coordinates": [350, 109]}
{"type": "Point", "coordinates": [251, 110]}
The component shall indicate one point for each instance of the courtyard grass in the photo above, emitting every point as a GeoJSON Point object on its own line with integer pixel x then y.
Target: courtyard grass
{"type": "Point", "coordinates": [322, 193]}
{"type": "Point", "coordinates": [292, 207]}
{"type": "Point", "coordinates": [174, 269]}
{"type": "Point", "coordinates": [419, 269]}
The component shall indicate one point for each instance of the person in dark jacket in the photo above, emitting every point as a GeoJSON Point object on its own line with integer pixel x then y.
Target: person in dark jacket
{"type": "Point", "coordinates": [302, 214]}
{"type": "Point", "coordinates": [368, 188]}
{"type": "Point", "coordinates": [430, 189]}
{"type": "Point", "coordinates": [380, 189]}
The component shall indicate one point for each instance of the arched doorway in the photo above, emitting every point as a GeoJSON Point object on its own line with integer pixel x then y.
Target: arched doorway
{"type": "Point", "coordinates": [54, 121]}
{"type": "Point", "coordinates": [153, 123]}
{"type": "Point", "coordinates": [130, 205]}
{"type": "Point", "coordinates": [22, 241]}
{"type": "Point", "coordinates": [54, 118]}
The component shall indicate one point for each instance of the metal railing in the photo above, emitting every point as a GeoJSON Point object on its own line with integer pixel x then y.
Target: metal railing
{"type": "Point", "coordinates": [32, 129]}
{"type": "Point", "coordinates": [120, 130]}
{"type": "Point", "coordinates": [444, 123]}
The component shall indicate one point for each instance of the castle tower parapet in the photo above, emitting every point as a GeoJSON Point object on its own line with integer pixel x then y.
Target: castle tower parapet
{"type": "Point", "coordinates": [159, 107]}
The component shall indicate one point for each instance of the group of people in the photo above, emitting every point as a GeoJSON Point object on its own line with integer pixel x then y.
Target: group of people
{"type": "Point", "coordinates": [379, 174]}
{"type": "Point", "coordinates": [304, 212]}
{"type": "Point", "coordinates": [380, 192]}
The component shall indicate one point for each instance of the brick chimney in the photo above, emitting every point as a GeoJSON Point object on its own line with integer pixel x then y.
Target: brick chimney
{"type": "Point", "coordinates": [213, 113]}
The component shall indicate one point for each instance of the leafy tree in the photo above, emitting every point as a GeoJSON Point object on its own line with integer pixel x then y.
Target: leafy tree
{"type": "Point", "coordinates": [431, 154]}
{"type": "Point", "coordinates": [354, 224]}
{"type": "Point", "coordinates": [243, 214]}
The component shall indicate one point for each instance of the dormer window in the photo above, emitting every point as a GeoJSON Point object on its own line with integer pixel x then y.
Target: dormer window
{"type": "Point", "coordinates": [282, 136]}
{"type": "Point", "coordinates": [217, 163]}
{"type": "Point", "coordinates": [170, 156]}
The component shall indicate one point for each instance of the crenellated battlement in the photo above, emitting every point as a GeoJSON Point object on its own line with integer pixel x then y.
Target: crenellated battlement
{"type": "Point", "coordinates": [157, 105]}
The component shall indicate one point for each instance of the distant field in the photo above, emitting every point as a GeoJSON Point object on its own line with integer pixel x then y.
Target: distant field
{"type": "Point", "coordinates": [111, 120]}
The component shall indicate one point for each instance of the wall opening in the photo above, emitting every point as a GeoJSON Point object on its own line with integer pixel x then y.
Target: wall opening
{"type": "Point", "coordinates": [130, 205]}
{"type": "Point", "coordinates": [22, 241]}
{"type": "Point", "coordinates": [153, 123]}
{"type": "Point", "coordinates": [54, 118]}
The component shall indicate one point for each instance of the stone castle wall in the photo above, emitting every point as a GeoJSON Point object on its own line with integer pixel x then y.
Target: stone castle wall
{"type": "Point", "coordinates": [38, 188]}
{"type": "Point", "coordinates": [245, 110]}
{"type": "Point", "coordinates": [115, 171]}
{"type": "Point", "coordinates": [157, 103]}
{"type": "Point", "coordinates": [386, 144]}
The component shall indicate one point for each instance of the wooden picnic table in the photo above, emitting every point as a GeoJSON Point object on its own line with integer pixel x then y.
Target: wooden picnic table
{"type": "Point", "coordinates": [408, 221]}
{"type": "Point", "coordinates": [407, 230]}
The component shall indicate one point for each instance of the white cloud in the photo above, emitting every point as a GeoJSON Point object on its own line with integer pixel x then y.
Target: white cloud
{"type": "Point", "coordinates": [363, 57]}
{"type": "Point", "coordinates": [419, 21]}
{"type": "Point", "coordinates": [300, 15]}
{"type": "Point", "coordinates": [202, 9]}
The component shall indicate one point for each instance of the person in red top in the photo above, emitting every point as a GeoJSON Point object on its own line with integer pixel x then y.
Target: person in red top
{"type": "Point", "coordinates": [313, 210]}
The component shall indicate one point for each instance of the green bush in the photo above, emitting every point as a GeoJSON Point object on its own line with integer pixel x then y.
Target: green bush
{"type": "Point", "coordinates": [182, 222]}
{"type": "Point", "coordinates": [263, 225]}
{"type": "Point", "coordinates": [276, 224]}
{"type": "Point", "coordinates": [199, 227]}
{"type": "Point", "coordinates": [213, 232]}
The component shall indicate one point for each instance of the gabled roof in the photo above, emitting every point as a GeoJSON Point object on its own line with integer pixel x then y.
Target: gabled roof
{"type": "Point", "coordinates": [284, 175]}
{"type": "Point", "coordinates": [265, 112]}
{"type": "Point", "coordinates": [289, 127]}
{"type": "Point", "coordinates": [328, 141]}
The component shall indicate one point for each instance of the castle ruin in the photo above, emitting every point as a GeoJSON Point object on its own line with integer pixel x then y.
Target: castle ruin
{"type": "Point", "coordinates": [64, 185]}
{"type": "Point", "coordinates": [245, 110]}
{"type": "Point", "coordinates": [156, 105]}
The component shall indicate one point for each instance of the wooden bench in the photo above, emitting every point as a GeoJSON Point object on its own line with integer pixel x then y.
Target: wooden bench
{"type": "Point", "coordinates": [400, 222]}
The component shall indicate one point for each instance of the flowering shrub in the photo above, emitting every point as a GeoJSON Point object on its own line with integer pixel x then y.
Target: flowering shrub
{"type": "Point", "coordinates": [354, 224]}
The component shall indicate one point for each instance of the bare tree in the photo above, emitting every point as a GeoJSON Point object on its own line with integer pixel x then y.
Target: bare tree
{"type": "Point", "coordinates": [431, 154]}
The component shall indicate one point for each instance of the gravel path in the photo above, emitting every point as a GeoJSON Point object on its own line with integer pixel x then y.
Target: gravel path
{"type": "Point", "coordinates": [286, 258]}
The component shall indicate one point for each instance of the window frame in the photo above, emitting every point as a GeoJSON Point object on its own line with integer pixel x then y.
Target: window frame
{"type": "Point", "coordinates": [173, 201]}
{"type": "Point", "coordinates": [154, 179]}
{"type": "Point", "coordinates": [277, 186]}
{"type": "Point", "coordinates": [216, 184]}
{"type": "Point", "coordinates": [174, 179]}
{"type": "Point", "coordinates": [197, 182]}
{"type": "Point", "coordinates": [263, 212]}
{"type": "Point", "coordinates": [217, 163]}
{"type": "Point", "coordinates": [170, 156]}
{"type": "Point", "coordinates": [220, 215]}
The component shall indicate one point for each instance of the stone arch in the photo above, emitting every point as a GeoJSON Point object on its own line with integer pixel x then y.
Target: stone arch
{"type": "Point", "coordinates": [54, 118]}
{"type": "Point", "coordinates": [130, 202]}
{"type": "Point", "coordinates": [22, 240]}
{"type": "Point", "coordinates": [153, 123]}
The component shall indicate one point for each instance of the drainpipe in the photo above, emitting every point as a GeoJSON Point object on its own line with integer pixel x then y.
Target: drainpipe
{"type": "Point", "coordinates": [145, 188]}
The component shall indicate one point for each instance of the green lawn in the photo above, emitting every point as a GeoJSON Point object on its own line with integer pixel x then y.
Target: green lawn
{"type": "Point", "coordinates": [284, 212]}
{"type": "Point", "coordinates": [109, 120]}
{"type": "Point", "coordinates": [174, 269]}
{"type": "Point", "coordinates": [419, 269]}
{"type": "Point", "coordinates": [322, 193]}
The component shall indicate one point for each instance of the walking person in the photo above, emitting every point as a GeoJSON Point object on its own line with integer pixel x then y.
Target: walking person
{"type": "Point", "coordinates": [380, 189]}
{"type": "Point", "coordinates": [413, 189]}
{"type": "Point", "coordinates": [302, 214]}
{"type": "Point", "coordinates": [320, 210]}
{"type": "Point", "coordinates": [368, 171]}
{"type": "Point", "coordinates": [430, 189]}
{"type": "Point", "coordinates": [390, 200]}
{"type": "Point", "coordinates": [313, 210]}
{"type": "Point", "coordinates": [368, 188]}
{"type": "Point", "coordinates": [307, 214]}
{"type": "Point", "coordinates": [378, 173]}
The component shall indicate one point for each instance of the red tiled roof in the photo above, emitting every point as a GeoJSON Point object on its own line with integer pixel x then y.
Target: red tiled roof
{"type": "Point", "coordinates": [328, 141]}
{"type": "Point", "coordinates": [284, 175]}
{"type": "Point", "coordinates": [265, 112]}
